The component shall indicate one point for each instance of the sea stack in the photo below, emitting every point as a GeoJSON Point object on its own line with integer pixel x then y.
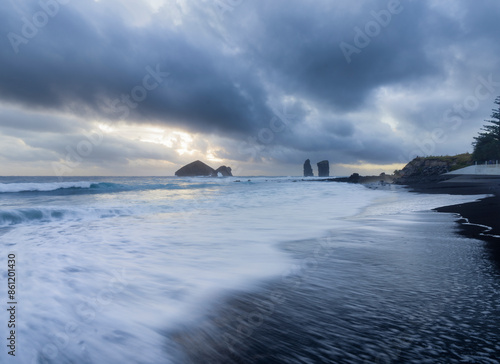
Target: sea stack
{"type": "Point", "coordinates": [308, 171]}
{"type": "Point", "coordinates": [223, 170]}
{"type": "Point", "coordinates": [196, 168]}
{"type": "Point", "coordinates": [323, 169]}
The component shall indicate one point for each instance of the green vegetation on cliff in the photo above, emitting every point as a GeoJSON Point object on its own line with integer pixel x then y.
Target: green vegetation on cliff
{"type": "Point", "coordinates": [447, 163]}
{"type": "Point", "coordinates": [428, 169]}
{"type": "Point", "coordinates": [454, 161]}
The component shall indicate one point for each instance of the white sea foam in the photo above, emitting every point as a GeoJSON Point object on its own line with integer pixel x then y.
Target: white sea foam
{"type": "Point", "coordinates": [104, 290]}
{"type": "Point", "coordinates": [44, 187]}
{"type": "Point", "coordinates": [398, 201]}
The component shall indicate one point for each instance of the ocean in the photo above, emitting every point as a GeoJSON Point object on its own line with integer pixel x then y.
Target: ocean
{"type": "Point", "coordinates": [240, 270]}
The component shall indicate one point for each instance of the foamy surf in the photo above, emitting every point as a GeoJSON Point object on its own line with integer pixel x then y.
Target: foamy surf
{"type": "Point", "coordinates": [42, 187]}
{"type": "Point", "coordinates": [107, 276]}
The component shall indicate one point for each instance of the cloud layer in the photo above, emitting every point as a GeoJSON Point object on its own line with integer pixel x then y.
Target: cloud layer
{"type": "Point", "coordinates": [258, 83]}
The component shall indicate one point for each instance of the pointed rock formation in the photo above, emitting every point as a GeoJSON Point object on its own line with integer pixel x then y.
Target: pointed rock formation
{"type": "Point", "coordinates": [196, 168]}
{"type": "Point", "coordinates": [308, 171]}
{"type": "Point", "coordinates": [323, 169]}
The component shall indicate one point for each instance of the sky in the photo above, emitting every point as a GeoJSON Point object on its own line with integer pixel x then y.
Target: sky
{"type": "Point", "coordinates": [143, 87]}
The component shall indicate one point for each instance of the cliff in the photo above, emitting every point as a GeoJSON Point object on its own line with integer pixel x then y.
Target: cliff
{"type": "Point", "coordinates": [431, 169]}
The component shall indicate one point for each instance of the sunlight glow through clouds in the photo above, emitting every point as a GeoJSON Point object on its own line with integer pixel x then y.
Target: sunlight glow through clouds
{"type": "Point", "coordinates": [368, 168]}
{"type": "Point", "coordinates": [211, 157]}
{"type": "Point", "coordinates": [180, 141]}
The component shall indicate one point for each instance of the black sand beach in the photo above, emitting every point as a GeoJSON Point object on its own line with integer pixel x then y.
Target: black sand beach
{"type": "Point", "coordinates": [483, 212]}
{"type": "Point", "coordinates": [370, 297]}
{"type": "Point", "coordinates": [324, 324]}
{"type": "Point", "coordinates": [480, 219]}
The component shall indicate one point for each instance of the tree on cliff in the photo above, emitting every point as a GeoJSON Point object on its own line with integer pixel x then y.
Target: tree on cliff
{"type": "Point", "coordinates": [487, 143]}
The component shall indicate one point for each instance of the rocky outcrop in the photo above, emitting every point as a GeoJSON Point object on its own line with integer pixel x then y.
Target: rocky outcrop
{"type": "Point", "coordinates": [323, 169]}
{"type": "Point", "coordinates": [198, 168]}
{"type": "Point", "coordinates": [423, 170]}
{"type": "Point", "coordinates": [354, 178]}
{"type": "Point", "coordinates": [308, 171]}
{"type": "Point", "coordinates": [194, 169]}
{"type": "Point", "coordinates": [223, 170]}
{"type": "Point", "coordinates": [382, 179]}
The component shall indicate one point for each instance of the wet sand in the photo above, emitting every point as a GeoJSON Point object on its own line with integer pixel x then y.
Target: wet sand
{"type": "Point", "coordinates": [483, 212]}
{"type": "Point", "coordinates": [397, 288]}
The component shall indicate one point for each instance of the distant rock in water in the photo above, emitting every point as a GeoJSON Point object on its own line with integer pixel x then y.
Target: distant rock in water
{"type": "Point", "coordinates": [354, 178]}
{"type": "Point", "coordinates": [308, 171]}
{"type": "Point", "coordinates": [223, 170]}
{"type": "Point", "coordinates": [323, 169]}
{"type": "Point", "coordinates": [198, 168]}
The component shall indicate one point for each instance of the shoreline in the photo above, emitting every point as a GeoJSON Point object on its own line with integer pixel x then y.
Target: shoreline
{"type": "Point", "coordinates": [477, 218]}
{"type": "Point", "coordinates": [348, 297]}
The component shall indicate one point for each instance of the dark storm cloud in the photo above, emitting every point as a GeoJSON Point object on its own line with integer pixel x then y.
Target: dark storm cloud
{"type": "Point", "coordinates": [81, 64]}
{"type": "Point", "coordinates": [300, 51]}
{"type": "Point", "coordinates": [39, 122]}
{"type": "Point", "coordinates": [227, 72]}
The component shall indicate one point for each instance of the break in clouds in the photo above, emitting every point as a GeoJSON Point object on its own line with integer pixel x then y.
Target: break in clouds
{"type": "Point", "coordinates": [260, 84]}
